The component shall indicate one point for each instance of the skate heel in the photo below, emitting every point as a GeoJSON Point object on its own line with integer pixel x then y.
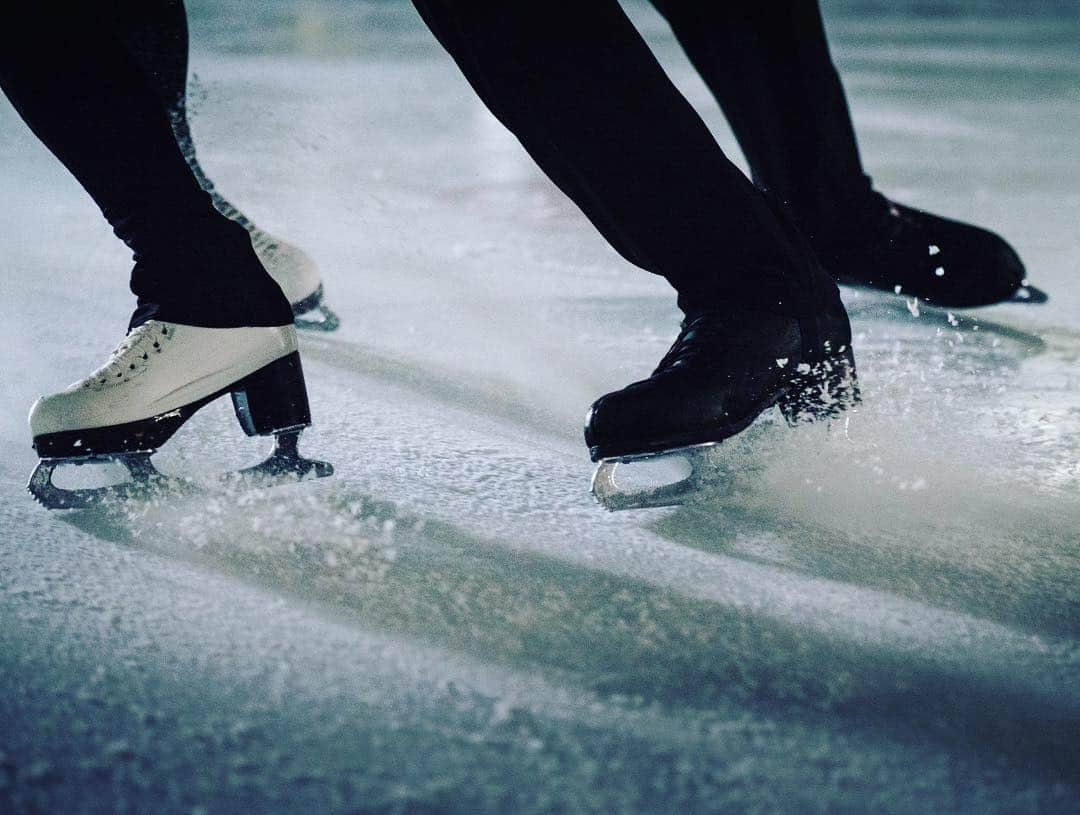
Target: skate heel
{"type": "Point", "coordinates": [273, 399]}
{"type": "Point", "coordinates": [822, 390]}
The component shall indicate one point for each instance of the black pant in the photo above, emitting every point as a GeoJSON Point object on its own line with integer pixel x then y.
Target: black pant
{"type": "Point", "coordinates": [156, 36]}
{"type": "Point", "coordinates": [83, 91]}
{"type": "Point", "coordinates": [574, 82]}
{"type": "Point", "coordinates": [582, 92]}
{"type": "Point", "coordinates": [767, 63]}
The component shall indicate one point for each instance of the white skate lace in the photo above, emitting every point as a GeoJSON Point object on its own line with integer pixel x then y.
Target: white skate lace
{"type": "Point", "coordinates": [132, 355]}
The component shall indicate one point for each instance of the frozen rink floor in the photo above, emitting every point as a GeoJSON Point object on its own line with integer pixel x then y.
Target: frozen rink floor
{"type": "Point", "coordinates": [882, 619]}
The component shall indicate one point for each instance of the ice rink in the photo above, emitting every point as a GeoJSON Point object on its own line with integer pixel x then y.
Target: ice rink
{"type": "Point", "coordinates": [882, 617]}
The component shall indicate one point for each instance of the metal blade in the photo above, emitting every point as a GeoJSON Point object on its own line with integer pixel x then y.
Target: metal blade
{"type": "Point", "coordinates": [284, 465]}
{"type": "Point", "coordinates": [146, 482]}
{"type": "Point", "coordinates": [706, 475]}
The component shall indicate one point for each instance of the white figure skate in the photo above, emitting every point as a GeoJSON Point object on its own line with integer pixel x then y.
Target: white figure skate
{"type": "Point", "coordinates": [159, 376]}
{"type": "Point", "coordinates": [290, 266]}
{"type": "Point", "coordinates": [298, 276]}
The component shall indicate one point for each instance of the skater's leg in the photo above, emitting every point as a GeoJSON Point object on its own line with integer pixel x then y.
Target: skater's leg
{"type": "Point", "coordinates": [82, 94]}
{"type": "Point", "coordinates": [581, 91]}
{"type": "Point", "coordinates": [156, 36]}
{"type": "Point", "coordinates": [210, 320]}
{"type": "Point", "coordinates": [768, 64]}
{"type": "Point", "coordinates": [579, 88]}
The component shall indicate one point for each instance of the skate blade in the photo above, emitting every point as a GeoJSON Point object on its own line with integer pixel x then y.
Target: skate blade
{"type": "Point", "coordinates": [145, 483]}
{"type": "Point", "coordinates": [1029, 294]}
{"type": "Point", "coordinates": [701, 476]}
{"type": "Point", "coordinates": [313, 314]}
{"type": "Point", "coordinates": [284, 465]}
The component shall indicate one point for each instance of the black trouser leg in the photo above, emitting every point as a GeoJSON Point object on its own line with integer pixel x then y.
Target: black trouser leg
{"type": "Point", "coordinates": [579, 88]}
{"type": "Point", "coordinates": [768, 64]}
{"type": "Point", "coordinates": [156, 36]}
{"type": "Point", "coordinates": [88, 100]}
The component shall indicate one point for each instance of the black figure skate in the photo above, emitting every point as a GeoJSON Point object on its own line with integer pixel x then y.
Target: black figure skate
{"type": "Point", "coordinates": [944, 262]}
{"type": "Point", "coordinates": [724, 369]}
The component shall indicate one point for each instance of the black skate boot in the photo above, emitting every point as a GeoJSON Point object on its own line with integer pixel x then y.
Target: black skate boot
{"type": "Point", "coordinates": [915, 253]}
{"type": "Point", "coordinates": [725, 368]}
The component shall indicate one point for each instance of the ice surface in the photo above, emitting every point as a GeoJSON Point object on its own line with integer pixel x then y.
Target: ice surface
{"type": "Point", "coordinates": [882, 617]}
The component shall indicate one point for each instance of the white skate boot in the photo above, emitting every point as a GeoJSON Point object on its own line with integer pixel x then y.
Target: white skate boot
{"type": "Point", "coordinates": [154, 381]}
{"type": "Point", "coordinates": [298, 276]}
{"type": "Point", "coordinates": [290, 266]}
